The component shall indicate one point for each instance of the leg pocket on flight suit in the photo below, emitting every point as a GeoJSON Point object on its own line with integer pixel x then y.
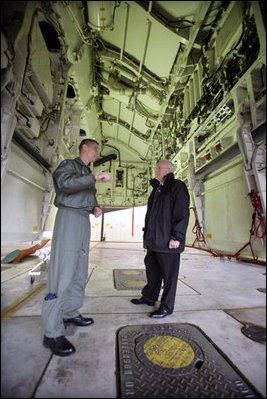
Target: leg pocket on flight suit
{"type": "Point", "coordinates": [52, 318]}
{"type": "Point", "coordinates": [68, 269]}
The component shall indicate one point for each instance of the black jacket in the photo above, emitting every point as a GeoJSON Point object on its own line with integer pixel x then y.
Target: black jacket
{"type": "Point", "coordinates": [167, 215]}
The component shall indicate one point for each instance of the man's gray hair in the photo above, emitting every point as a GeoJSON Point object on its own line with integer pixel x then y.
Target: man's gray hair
{"type": "Point", "coordinates": [170, 165]}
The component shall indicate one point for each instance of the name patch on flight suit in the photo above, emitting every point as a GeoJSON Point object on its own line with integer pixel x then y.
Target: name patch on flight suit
{"type": "Point", "coordinates": [63, 163]}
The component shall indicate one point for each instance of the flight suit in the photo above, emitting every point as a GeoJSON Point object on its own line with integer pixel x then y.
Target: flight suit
{"type": "Point", "coordinates": [68, 268]}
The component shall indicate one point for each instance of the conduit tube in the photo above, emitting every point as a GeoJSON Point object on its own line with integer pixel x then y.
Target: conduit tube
{"type": "Point", "coordinates": [133, 221]}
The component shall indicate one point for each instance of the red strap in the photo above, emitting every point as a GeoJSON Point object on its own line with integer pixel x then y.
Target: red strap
{"type": "Point", "coordinates": [256, 203]}
{"type": "Point", "coordinates": [197, 229]}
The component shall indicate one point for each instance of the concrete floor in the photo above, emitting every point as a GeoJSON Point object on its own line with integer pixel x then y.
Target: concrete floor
{"type": "Point", "coordinates": [218, 296]}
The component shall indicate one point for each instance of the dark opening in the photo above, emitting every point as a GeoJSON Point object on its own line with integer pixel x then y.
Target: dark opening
{"type": "Point", "coordinates": [50, 36]}
{"type": "Point", "coordinates": [70, 92]}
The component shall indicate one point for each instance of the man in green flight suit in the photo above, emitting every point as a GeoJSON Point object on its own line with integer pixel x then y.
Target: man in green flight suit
{"type": "Point", "coordinates": [68, 269]}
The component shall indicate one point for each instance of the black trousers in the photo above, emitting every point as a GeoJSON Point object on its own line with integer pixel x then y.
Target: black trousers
{"type": "Point", "coordinates": [161, 267]}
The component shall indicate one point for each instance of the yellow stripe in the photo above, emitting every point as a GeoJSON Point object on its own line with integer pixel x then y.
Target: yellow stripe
{"type": "Point", "coordinates": [130, 272]}
{"type": "Point", "coordinates": [135, 283]}
{"type": "Point", "coordinates": [19, 303]}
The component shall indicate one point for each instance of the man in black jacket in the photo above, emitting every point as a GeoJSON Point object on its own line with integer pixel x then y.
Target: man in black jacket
{"type": "Point", "coordinates": [166, 223]}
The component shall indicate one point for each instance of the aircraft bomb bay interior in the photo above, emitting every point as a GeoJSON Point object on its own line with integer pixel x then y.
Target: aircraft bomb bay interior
{"type": "Point", "coordinates": [184, 81]}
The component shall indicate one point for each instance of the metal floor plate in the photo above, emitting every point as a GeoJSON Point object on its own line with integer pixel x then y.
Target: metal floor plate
{"type": "Point", "coordinates": [256, 333]}
{"type": "Point", "coordinates": [130, 279]}
{"type": "Point", "coordinates": [174, 361]}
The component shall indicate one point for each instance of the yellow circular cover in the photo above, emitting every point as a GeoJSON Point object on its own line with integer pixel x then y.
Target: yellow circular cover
{"type": "Point", "coordinates": [168, 352]}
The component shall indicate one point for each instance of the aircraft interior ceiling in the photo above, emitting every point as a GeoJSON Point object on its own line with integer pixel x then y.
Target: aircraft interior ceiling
{"type": "Point", "coordinates": [147, 79]}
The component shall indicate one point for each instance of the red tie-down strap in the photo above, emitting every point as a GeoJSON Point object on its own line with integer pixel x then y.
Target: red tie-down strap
{"type": "Point", "coordinates": [199, 236]}
{"type": "Point", "coordinates": [197, 230]}
{"type": "Point", "coordinates": [256, 203]}
{"type": "Point", "coordinates": [255, 200]}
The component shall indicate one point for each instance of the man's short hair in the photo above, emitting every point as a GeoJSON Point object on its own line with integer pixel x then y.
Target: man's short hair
{"type": "Point", "coordinates": [87, 142]}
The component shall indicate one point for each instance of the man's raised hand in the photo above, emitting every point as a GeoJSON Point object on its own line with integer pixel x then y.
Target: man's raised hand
{"type": "Point", "coordinates": [105, 177]}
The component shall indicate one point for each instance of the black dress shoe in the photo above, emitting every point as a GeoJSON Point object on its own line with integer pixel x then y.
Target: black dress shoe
{"type": "Point", "coordinates": [60, 346]}
{"type": "Point", "coordinates": [159, 314]}
{"type": "Point", "coordinates": [142, 301]}
{"type": "Point", "coordinates": [79, 321]}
